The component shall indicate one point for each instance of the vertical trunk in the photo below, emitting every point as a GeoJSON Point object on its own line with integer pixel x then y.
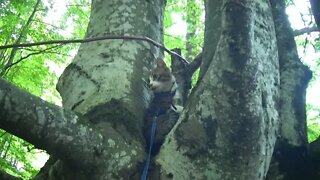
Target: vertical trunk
{"type": "Point", "coordinates": [106, 82]}
{"type": "Point", "coordinates": [111, 72]}
{"type": "Point", "coordinates": [183, 82]}
{"type": "Point", "coordinates": [213, 26]}
{"type": "Point", "coordinates": [228, 128]}
{"type": "Point", "coordinates": [289, 158]}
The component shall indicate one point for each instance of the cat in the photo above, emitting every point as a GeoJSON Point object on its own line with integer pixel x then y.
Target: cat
{"type": "Point", "coordinates": [164, 87]}
{"type": "Point", "coordinates": [161, 79]}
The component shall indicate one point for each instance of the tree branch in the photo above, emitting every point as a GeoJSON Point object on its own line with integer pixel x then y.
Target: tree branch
{"type": "Point", "coordinates": [3, 54]}
{"type": "Point", "coordinates": [61, 132]}
{"type": "Point", "coordinates": [305, 30]}
{"type": "Point", "coordinates": [194, 65]}
{"type": "Point", "coordinates": [128, 37]}
{"type": "Point", "coordinates": [34, 53]}
{"type": "Point", "coordinates": [183, 74]}
{"type": "Point", "coordinates": [56, 27]}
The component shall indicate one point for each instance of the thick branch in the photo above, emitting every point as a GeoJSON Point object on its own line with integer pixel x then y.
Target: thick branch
{"type": "Point", "coordinates": [183, 74]}
{"type": "Point", "coordinates": [306, 30]}
{"type": "Point", "coordinates": [31, 54]}
{"type": "Point", "coordinates": [47, 126]}
{"type": "Point", "coordinates": [194, 65]}
{"type": "Point", "coordinates": [141, 38]}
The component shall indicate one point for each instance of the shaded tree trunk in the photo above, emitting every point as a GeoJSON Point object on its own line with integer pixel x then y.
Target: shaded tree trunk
{"type": "Point", "coordinates": [290, 159]}
{"type": "Point", "coordinates": [228, 130]}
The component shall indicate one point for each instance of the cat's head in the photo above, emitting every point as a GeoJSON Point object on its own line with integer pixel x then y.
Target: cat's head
{"type": "Point", "coordinates": [161, 79]}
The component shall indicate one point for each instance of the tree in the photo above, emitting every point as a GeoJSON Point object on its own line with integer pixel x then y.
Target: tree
{"type": "Point", "coordinates": [220, 136]}
{"type": "Point", "coordinates": [251, 81]}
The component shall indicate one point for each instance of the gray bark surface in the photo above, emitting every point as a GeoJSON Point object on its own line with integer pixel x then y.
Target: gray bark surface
{"type": "Point", "coordinates": [228, 130]}
{"type": "Point", "coordinates": [290, 154]}
{"type": "Point", "coordinates": [105, 82]}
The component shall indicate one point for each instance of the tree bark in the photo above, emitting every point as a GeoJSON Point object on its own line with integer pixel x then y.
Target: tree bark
{"type": "Point", "coordinates": [228, 128]}
{"type": "Point", "coordinates": [106, 83]}
{"type": "Point", "coordinates": [48, 126]}
{"type": "Point", "coordinates": [290, 154]}
{"type": "Point", "coordinates": [213, 26]}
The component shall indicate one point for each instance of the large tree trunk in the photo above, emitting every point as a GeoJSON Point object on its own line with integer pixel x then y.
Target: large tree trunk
{"type": "Point", "coordinates": [228, 128]}
{"type": "Point", "coordinates": [290, 155]}
{"type": "Point", "coordinates": [106, 80]}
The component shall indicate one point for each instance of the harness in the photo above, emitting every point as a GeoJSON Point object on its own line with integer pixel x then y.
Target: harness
{"type": "Point", "coordinates": [157, 111]}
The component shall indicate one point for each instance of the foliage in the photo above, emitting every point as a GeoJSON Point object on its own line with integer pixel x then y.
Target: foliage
{"type": "Point", "coordinates": [179, 15]}
{"type": "Point", "coordinates": [183, 18]}
{"type": "Point", "coordinates": [313, 114]}
{"type": "Point", "coordinates": [31, 68]}
{"type": "Point", "coordinates": [16, 156]}
{"type": "Point", "coordinates": [77, 17]}
{"type": "Point", "coordinates": [173, 8]}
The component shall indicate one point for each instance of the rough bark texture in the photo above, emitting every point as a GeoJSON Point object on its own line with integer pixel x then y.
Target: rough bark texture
{"type": "Point", "coordinates": [47, 126]}
{"type": "Point", "coordinates": [183, 73]}
{"type": "Point", "coordinates": [290, 154]}
{"type": "Point", "coordinates": [294, 79]}
{"type": "Point", "coordinates": [229, 127]}
{"type": "Point", "coordinates": [112, 72]}
{"type": "Point", "coordinates": [183, 82]}
{"type": "Point", "coordinates": [106, 83]}
{"type": "Point", "coordinates": [213, 26]}
{"type": "Point", "coordinates": [67, 136]}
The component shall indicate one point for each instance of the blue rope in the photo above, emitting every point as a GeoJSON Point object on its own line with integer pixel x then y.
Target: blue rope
{"type": "Point", "coordinates": [152, 135]}
{"type": "Point", "coordinates": [153, 132]}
